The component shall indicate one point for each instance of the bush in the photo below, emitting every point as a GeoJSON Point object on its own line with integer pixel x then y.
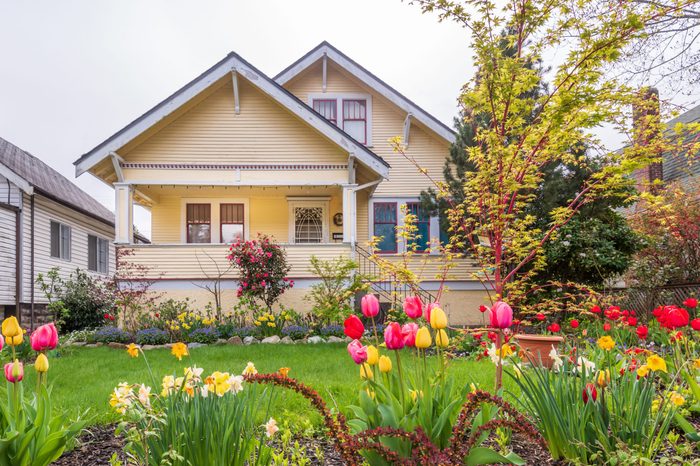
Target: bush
{"type": "Point", "coordinates": [247, 331]}
{"type": "Point", "coordinates": [295, 332]}
{"type": "Point", "coordinates": [152, 336]}
{"type": "Point", "coordinates": [111, 334]}
{"type": "Point", "coordinates": [204, 335]}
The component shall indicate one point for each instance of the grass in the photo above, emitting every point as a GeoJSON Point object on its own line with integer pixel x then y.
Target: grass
{"type": "Point", "coordinates": [83, 378]}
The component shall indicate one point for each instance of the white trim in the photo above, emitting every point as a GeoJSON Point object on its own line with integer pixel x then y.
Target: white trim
{"type": "Point", "coordinates": [116, 163]}
{"type": "Point", "coordinates": [339, 97]}
{"type": "Point", "coordinates": [255, 78]}
{"type": "Point", "coordinates": [325, 73]}
{"type": "Point", "coordinates": [321, 201]}
{"type": "Point", "coordinates": [215, 220]}
{"type": "Point", "coordinates": [365, 77]}
{"type": "Point", "coordinates": [17, 180]}
{"type": "Point", "coordinates": [236, 102]}
{"type": "Point", "coordinates": [406, 129]}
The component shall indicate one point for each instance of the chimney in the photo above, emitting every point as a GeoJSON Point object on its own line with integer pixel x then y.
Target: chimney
{"type": "Point", "coordinates": [646, 127]}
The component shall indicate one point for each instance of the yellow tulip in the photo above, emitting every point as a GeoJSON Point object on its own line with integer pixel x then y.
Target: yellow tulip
{"type": "Point", "coordinates": [438, 319]}
{"type": "Point", "coordinates": [366, 371]}
{"type": "Point", "coordinates": [14, 341]}
{"type": "Point", "coordinates": [11, 328]}
{"type": "Point", "coordinates": [384, 364]}
{"type": "Point", "coordinates": [372, 355]}
{"type": "Point", "coordinates": [441, 338]}
{"type": "Point", "coordinates": [603, 378]}
{"type": "Point", "coordinates": [42, 363]}
{"type": "Point", "coordinates": [423, 339]}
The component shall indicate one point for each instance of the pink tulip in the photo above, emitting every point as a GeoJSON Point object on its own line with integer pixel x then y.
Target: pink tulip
{"type": "Point", "coordinates": [2, 342]}
{"type": "Point", "coordinates": [393, 337]}
{"type": "Point", "coordinates": [9, 369]}
{"type": "Point", "coordinates": [358, 353]}
{"type": "Point", "coordinates": [413, 307]}
{"type": "Point", "coordinates": [409, 331]}
{"type": "Point", "coordinates": [429, 308]}
{"type": "Point", "coordinates": [370, 305]}
{"type": "Point", "coordinates": [501, 315]}
{"type": "Point", "coordinates": [44, 338]}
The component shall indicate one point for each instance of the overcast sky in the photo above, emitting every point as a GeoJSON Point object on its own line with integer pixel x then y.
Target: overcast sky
{"type": "Point", "coordinates": [74, 72]}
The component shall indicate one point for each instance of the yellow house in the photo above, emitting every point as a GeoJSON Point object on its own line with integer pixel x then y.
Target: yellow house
{"type": "Point", "coordinates": [304, 157]}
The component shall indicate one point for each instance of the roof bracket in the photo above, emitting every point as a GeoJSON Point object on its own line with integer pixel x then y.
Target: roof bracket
{"type": "Point", "coordinates": [116, 162]}
{"type": "Point", "coordinates": [407, 129]}
{"type": "Point", "coordinates": [236, 102]}
{"type": "Point", "coordinates": [325, 72]}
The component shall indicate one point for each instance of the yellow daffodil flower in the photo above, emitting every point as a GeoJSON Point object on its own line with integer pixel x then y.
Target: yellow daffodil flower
{"type": "Point", "coordinates": [606, 343]}
{"type": "Point", "coordinates": [656, 363]}
{"type": "Point", "coordinates": [677, 399]}
{"type": "Point", "coordinates": [179, 350]}
{"type": "Point", "coordinates": [133, 350]}
{"type": "Point", "coordinates": [643, 370]}
{"type": "Point", "coordinates": [250, 369]}
{"type": "Point", "coordinates": [284, 371]}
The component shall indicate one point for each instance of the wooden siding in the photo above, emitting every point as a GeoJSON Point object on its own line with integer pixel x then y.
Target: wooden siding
{"type": "Point", "coordinates": [81, 225]}
{"type": "Point", "coordinates": [427, 148]}
{"type": "Point", "coordinates": [8, 271]}
{"type": "Point", "coordinates": [431, 268]}
{"type": "Point", "coordinates": [211, 132]}
{"type": "Point", "coordinates": [201, 262]}
{"type": "Point", "coordinates": [10, 193]}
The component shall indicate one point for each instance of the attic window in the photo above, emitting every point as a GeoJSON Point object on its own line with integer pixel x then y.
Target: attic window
{"type": "Point", "coordinates": [351, 112]}
{"type": "Point", "coordinates": [328, 108]}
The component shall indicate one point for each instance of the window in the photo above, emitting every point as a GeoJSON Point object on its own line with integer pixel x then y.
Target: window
{"type": "Point", "coordinates": [231, 222]}
{"type": "Point", "coordinates": [308, 225]}
{"type": "Point", "coordinates": [199, 223]}
{"type": "Point", "coordinates": [422, 235]}
{"type": "Point", "coordinates": [385, 225]}
{"type": "Point", "coordinates": [355, 119]}
{"type": "Point", "coordinates": [98, 254]}
{"type": "Point", "coordinates": [328, 108]}
{"type": "Point", "coordinates": [60, 240]}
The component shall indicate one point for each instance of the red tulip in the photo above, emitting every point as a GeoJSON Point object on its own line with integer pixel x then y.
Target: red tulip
{"type": "Point", "coordinates": [595, 309]}
{"type": "Point", "coordinates": [642, 332]}
{"type": "Point", "coordinates": [44, 338]}
{"type": "Point", "coordinates": [606, 327]}
{"type": "Point", "coordinates": [429, 308]}
{"type": "Point", "coordinates": [483, 308]}
{"type": "Point", "coordinates": [632, 321]}
{"type": "Point", "coordinates": [539, 316]}
{"type": "Point", "coordinates": [370, 305]}
{"type": "Point", "coordinates": [574, 323]}
{"type": "Point", "coordinates": [691, 302]}
{"type": "Point", "coordinates": [14, 375]}
{"type": "Point", "coordinates": [413, 307]}
{"type": "Point", "coordinates": [591, 391]}
{"type": "Point", "coordinates": [501, 315]}
{"type": "Point", "coordinates": [353, 327]}
{"type": "Point", "coordinates": [671, 317]}
{"type": "Point", "coordinates": [409, 331]}
{"type": "Point", "coordinates": [695, 323]}
{"type": "Point", "coordinates": [554, 328]}
{"type": "Point", "coordinates": [393, 337]}
{"type": "Point", "coordinates": [358, 353]}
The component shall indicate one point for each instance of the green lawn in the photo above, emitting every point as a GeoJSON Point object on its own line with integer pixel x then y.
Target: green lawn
{"type": "Point", "coordinates": [83, 378]}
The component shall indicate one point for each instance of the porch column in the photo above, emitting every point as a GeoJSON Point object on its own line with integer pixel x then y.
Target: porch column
{"type": "Point", "coordinates": [349, 214]}
{"type": "Point", "coordinates": [123, 213]}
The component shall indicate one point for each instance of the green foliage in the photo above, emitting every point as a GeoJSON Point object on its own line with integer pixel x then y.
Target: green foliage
{"type": "Point", "coordinates": [30, 434]}
{"type": "Point", "coordinates": [332, 295]}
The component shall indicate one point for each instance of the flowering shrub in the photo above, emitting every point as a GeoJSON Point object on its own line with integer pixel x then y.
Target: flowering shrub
{"type": "Point", "coordinates": [262, 268]}
{"type": "Point", "coordinates": [204, 335]}
{"type": "Point", "coordinates": [112, 334]}
{"type": "Point", "coordinates": [152, 336]}
{"type": "Point", "coordinates": [295, 332]}
{"type": "Point", "coordinates": [30, 433]}
{"type": "Point", "coordinates": [332, 331]}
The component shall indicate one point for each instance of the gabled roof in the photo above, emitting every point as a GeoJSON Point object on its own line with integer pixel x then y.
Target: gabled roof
{"type": "Point", "coordinates": [369, 79]}
{"type": "Point", "coordinates": [33, 175]}
{"type": "Point", "coordinates": [232, 62]}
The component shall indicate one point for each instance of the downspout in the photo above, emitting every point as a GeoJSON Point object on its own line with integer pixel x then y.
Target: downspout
{"type": "Point", "coordinates": [31, 262]}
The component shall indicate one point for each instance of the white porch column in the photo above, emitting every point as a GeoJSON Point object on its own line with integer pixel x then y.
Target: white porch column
{"type": "Point", "coordinates": [123, 213]}
{"type": "Point", "coordinates": [349, 214]}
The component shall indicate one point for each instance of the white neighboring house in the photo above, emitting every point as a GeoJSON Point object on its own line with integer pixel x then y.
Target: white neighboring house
{"type": "Point", "coordinates": [45, 221]}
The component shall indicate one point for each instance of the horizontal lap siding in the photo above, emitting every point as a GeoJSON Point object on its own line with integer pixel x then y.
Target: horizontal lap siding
{"type": "Point", "coordinates": [429, 150]}
{"type": "Point", "coordinates": [211, 132]}
{"type": "Point", "coordinates": [45, 211]}
{"type": "Point", "coordinates": [201, 263]}
{"type": "Point", "coordinates": [430, 268]}
{"type": "Point", "coordinates": [8, 271]}
{"type": "Point", "coordinates": [9, 193]}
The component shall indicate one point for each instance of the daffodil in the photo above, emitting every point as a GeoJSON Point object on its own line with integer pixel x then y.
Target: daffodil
{"type": "Point", "coordinates": [145, 396]}
{"type": "Point", "coordinates": [179, 350]}
{"type": "Point", "coordinates": [606, 343]}
{"type": "Point", "coordinates": [696, 363]}
{"type": "Point", "coordinates": [133, 350]}
{"type": "Point", "coordinates": [677, 399]}
{"type": "Point", "coordinates": [250, 369]}
{"type": "Point", "coordinates": [656, 363]}
{"type": "Point", "coordinates": [218, 383]}
{"type": "Point", "coordinates": [284, 371]}
{"type": "Point", "coordinates": [271, 428]}
{"type": "Point", "coordinates": [643, 370]}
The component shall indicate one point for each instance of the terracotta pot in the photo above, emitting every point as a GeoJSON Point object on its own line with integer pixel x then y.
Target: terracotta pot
{"type": "Point", "coordinates": [536, 348]}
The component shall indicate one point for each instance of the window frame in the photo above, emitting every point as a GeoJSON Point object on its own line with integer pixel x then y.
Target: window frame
{"type": "Point", "coordinates": [222, 223]}
{"type": "Point", "coordinates": [427, 240]}
{"type": "Point", "coordinates": [396, 224]}
{"type": "Point", "coordinates": [364, 101]}
{"type": "Point", "coordinates": [323, 203]}
{"type": "Point", "coordinates": [99, 241]}
{"type": "Point", "coordinates": [188, 223]}
{"type": "Point", "coordinates": [62, 227]}
{"type": "Point", "coordinates": [335, 108]}
{"type": "Point", "coordinates": [339, 97]}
